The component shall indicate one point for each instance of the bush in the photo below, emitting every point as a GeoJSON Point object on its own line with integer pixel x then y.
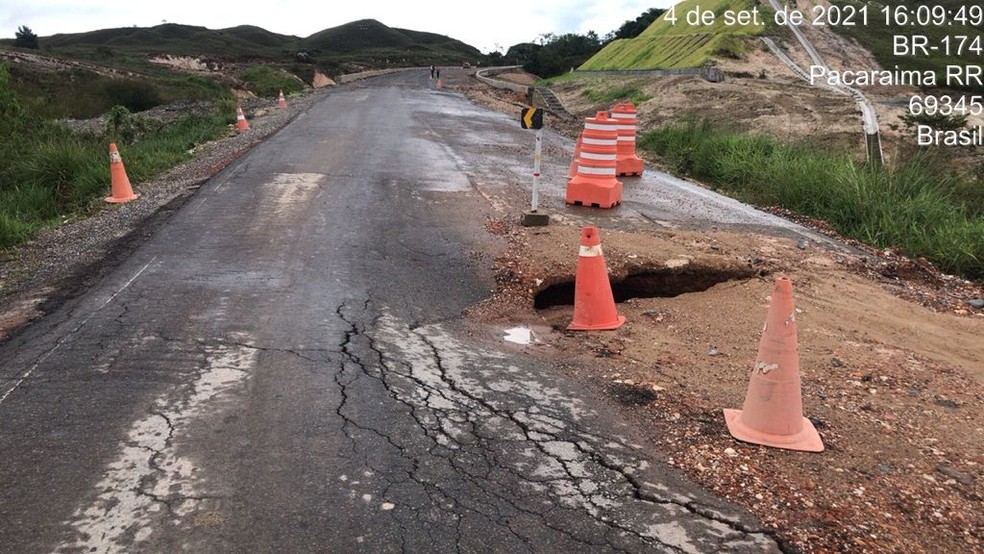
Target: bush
{"type": "Point", "coordinates": [912, 206]}
{"type": "Point", "coordinates": [265, 80]}
{"type": "Point", "coordinates": [136, 96]}
{"type": "Point", "coordinates": [632, 94]}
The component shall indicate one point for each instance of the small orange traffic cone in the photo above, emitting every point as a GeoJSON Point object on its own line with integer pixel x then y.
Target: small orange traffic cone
{"type": "Point", "coordinates": [773, 410]}
{"type": "Point", "coordinates": [119, 182]}
{"type": "Point", "coordinates": [594, 304]}
{"type": "Point", "coordinates": [241, 122]}
{"type": "Point", "coordinates": [282, 102]}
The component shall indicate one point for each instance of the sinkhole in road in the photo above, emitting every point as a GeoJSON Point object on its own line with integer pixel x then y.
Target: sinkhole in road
{"type": "Point", "coordinates": [648, 282]}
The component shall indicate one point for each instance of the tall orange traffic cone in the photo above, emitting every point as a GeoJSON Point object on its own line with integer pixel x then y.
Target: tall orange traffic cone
{"type": "Point", "coordinates": [241, 122]}
{"type": "Point", "coordinates": [628, 162]}
{"type": "Point", "coordinates": [594, 304]}
{"type": "Point", "coordinates": [595, 183]}
{"type": "Point", "coordinates": [773, 410]}
{"type": "Point", "coordinates": [119, 182]}
{"type": "Point", "coordinates": [282, 102]}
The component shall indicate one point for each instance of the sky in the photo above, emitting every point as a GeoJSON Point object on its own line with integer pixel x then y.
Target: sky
{"type": "Point", "coordinates": [489, 26]}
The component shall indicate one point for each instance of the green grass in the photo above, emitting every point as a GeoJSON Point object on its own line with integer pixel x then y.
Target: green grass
{"type": "Point", "coordinates": [916, 206]}
{"type": "Point", "coordinates": [617, 94]}
{"type": "Point", "coordinates": [64, 172]}
{"type": "Point", "coordinates": [82, 94]}
{"type": "Point", "coordinates": [266, 80]}
{"type": "Point", "coordinates": [667, 45]}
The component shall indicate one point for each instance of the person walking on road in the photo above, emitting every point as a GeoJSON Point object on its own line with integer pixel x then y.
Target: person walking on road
{"type": "Point", "coordinates": [432, 70]}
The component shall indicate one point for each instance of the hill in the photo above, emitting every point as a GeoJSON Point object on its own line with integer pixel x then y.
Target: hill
{"type": "Point", "coordinates": [82, 75]}
{"type": "Point", "coordinates": [366, 42]}
{"type": "Point", "coordinates": [669, 44]}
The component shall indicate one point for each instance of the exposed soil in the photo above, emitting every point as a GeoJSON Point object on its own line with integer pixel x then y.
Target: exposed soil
{"type": "Point", "coordinates": [890, 354]}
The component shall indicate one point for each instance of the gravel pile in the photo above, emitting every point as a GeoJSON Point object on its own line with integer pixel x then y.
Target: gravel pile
{"type": "Point", "coordinates": [60, 262]}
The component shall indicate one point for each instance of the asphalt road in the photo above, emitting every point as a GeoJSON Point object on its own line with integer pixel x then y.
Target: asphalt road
{"type": "Point", "coordinates": [284, 367]}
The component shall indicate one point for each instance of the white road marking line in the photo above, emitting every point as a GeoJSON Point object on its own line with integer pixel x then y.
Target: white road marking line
{"type": "Point", "coordinates": [64, 339]}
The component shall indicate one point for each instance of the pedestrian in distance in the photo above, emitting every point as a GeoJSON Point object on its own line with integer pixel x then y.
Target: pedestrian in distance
{"type": "Point", "coordinates": [438, 72]}
{"type": "Point", "coordinates": [432, 71]}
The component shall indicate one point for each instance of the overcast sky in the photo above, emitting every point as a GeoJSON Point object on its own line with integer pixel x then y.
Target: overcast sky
{"type": "Point", "coordinates": [487, 26]}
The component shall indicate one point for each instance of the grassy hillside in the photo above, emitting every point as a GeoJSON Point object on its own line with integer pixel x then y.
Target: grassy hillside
{"type": "Point", "coordinates": [170, 38]}
{"type": "Point", "coordinates": [370, 40]}
{"type": "Point", "coordinates": [367, 42]}
{"type": "Point", "coordinates": [668, 45]}
{"type": "Point", "coordinates": [250, 58]}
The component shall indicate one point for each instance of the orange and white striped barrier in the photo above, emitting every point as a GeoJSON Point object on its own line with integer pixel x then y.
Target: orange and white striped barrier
{"type": "Point", "coordinates": [241, 122]}
{"type": "Point", "coordinates": [595, 183]}
{"type": "Point", "coordinates": [121, 191]}
{"type": "Point", "coordinates": [594, 303]}
{"type": "Point", "coordinates": [628, 163]}
{"type": "Point", "coordinates": [773, 411]}
{"type": "Point", "coordinates": [572, 170]}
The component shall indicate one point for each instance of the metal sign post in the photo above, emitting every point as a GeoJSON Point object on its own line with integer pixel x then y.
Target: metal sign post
{"type": "Point", "coordinates": [537, 156]}
{"type": "Point", "coordinates": [532, 118]}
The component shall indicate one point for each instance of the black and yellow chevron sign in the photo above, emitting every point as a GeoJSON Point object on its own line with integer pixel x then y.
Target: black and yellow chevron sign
{"type": "Point", "coordinates": [531, 118]}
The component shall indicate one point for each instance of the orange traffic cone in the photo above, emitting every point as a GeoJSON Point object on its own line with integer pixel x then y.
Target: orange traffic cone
{"type": "Point", "coordinates": [120, 183]}
{"type": "Point", "coordinates": [594, 304]}
{"type": "Point", "coordinates": [241, 122]}
{"type": "Point", "coordinates": [773, 410]}
{"type": "Point", "coordinates": [282, 102]}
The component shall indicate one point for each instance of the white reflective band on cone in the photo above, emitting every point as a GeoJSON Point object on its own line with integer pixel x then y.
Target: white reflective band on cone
{"type": "Point", "coordinates": [599, 142]}
{"type": "Point", "coordinates": [590, 251]}
{"type": "Point", "coordinates": [627, 138]}
{"type": "Point", "coordinates": [602, 157]}
{"type": "Point", "coordinates": [114, 157]}
{"type": "Point", "coordinates": [586, 170]}
{"type": "Point", "coordinates": [619, 115]}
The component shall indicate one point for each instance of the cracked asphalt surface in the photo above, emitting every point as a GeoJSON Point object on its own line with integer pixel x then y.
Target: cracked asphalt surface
{"type": "Point", "coordinates": [284, 367]}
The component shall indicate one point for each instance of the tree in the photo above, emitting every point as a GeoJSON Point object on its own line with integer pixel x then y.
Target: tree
{"type": "Point", "coordinates": [562, 53]}
{"type": "Point", "coordinates": [25, 38]}
{"type": "Point", "coordinates": [632, 29]}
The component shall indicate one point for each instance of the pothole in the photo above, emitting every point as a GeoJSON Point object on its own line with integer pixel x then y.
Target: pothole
{"type": "Point", "coordinates": [650, 283]}
{"type": "Point", "coordinates": [632, 395]}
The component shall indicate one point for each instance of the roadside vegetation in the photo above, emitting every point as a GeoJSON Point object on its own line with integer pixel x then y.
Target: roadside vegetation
{"type": "Point", "coordinates": [918, 206]}
{"type": "Point", "coordinates": [53, 173]}
{"type": "Point", "coordinates": [618, 94]}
